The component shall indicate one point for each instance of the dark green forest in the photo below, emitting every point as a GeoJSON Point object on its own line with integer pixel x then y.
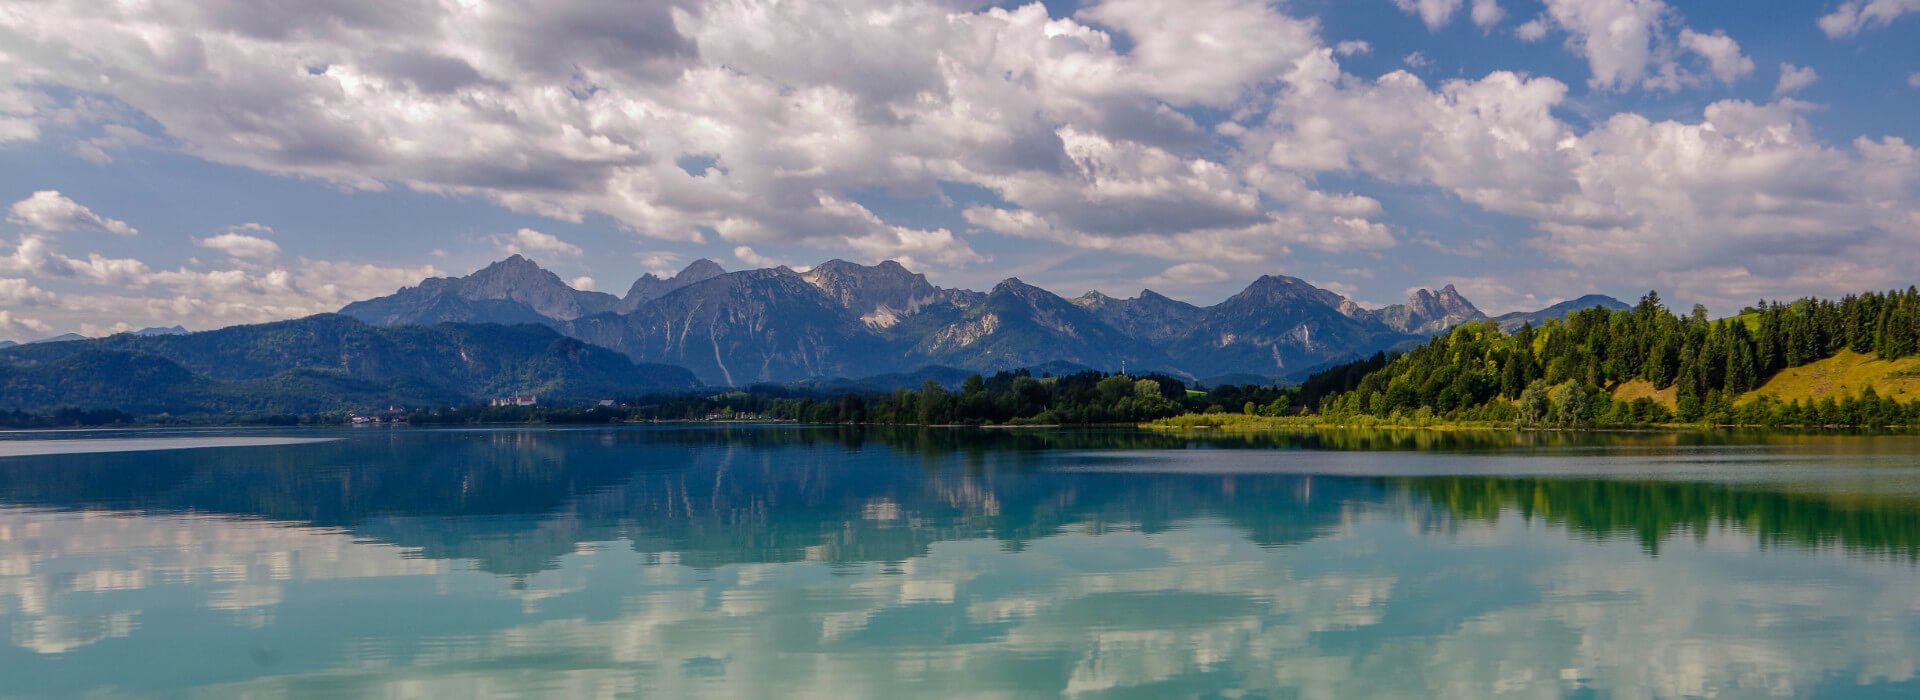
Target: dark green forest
{"type": "Point", "coordinates": [1006, 398]}
{"type": "Point", "coordinates": [1562, 373]}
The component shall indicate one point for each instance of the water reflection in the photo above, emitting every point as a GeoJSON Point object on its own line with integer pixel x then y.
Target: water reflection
{"type": "Point", "coordinates": [840, 563]}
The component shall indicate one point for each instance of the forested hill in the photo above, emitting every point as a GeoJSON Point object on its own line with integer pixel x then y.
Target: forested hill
{"type": "Point", "coordinates": [1644, 364]}
{"type": "Point", "coordinates": [318, 364]}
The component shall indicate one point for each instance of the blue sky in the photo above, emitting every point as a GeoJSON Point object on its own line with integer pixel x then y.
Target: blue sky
{"type": "Point", "coordinates": [210, 163]}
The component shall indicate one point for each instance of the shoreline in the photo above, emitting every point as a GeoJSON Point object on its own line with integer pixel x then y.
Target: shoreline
{"type": "Point", "coordinates": [1282, 424]}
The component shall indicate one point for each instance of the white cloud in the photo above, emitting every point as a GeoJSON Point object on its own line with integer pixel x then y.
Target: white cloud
{"type": "Point", "coordinates": [659, 262]}
{"type": "Point", "coordinates": [1487, 13]}
{"type": "Point", "coordinates": [747, 255]}
{"type": "Point", "coordinates": [241, 245]}
{"type": "Point", "coordinates": [1188, 275]}
{"type": "Point", "coordinates": [1855, 15]}
{"type": "Point", "coordinates": [1437, 13]}
{"type": "Point", "coordinates": [33, 255]}
{"type": "Point", "coordinates": [1076, 129]}
{"type": "Point", "coordinates": [1794, 79]}
{"type": "Point", "coordinates": [1615, 36]}
{"type": "Point", "coordinates": [1913, 80]}
{"type": "Point", "coordinates": [536, 112]}
{"type": "Point", "coordinates": [582, 283]}
{"type": "Point", "coordinates": [13, 327]}
{"type": "Point", "coordinates": [1204, 51]}
{"type": "Point", "coordinates": [1416, 60]}
{"type": "Point", "coordinates": [19, 293]}
{"type": "Point", "coordinates": [1532, 30]}
{"type": "Point", "coordinates": [1639, 199]}
{"type": "Point", "coordinates": [1722, 53]}
{"type": "Point", "coordinates": [1434, 13]}
{"type": "Point", "coordinates": [1630, 43]}
{"type": "Point", "coordinates": [19, 108]}
{"type": "Point", "coordinates": [530, 242]}
{"type": "Point", "coordinates": [129, 290]}
{"type": "Point", "coordinates": [48, 211]}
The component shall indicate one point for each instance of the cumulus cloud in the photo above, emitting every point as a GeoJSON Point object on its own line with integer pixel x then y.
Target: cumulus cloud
{"type": "Point", "coordinates": [1721, 52]}
{"type": "Point", "coordinates": [1437, 13]}
{"type": "Point", "coordinates": [1434, 13]}
{"type": "Point", "coordinates": [746, 254]}
{"type": "Point", "coordinates": [582, 283]}
{"type": "Point", "coordinates": [14, 327]}
{"type": "Point", "coordinates": [19, 293]}
{"type": "Point", "coordinates": [1532, 30]}
{"type": "Point", "coordinates": [241, 245]}
{"type": "Point", "coordinates": [1487, 13]}
{"type": "Point", "coordinates": [1794, 79]}
{"type": "Point", "coordinates": [579, 109]}
{"type": "Point", "coordinates": [33, 255]}
{"type": "Point", "coordinates": [1632, 44]}
{"type": "Point", "coordinates": [123, 289]}
{"type": "Point", "coordinates": [659, 262]}
{"type": "Point", "coordinates": [19, 108]}
{"type": "Point", "coordinates": [1637, 198]}
{"type": "Point", "coordinates": [1189, 132]}
{"type": "Point", "coordinates": [530, 242]}
{"type": "Point", "coordinates": [1853, 16]}
{"type": "Point", "coordinates": [48, 211]}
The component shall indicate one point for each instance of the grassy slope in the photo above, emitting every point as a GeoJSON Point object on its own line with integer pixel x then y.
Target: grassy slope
{"type": "Point", "coordinates": [1641, 388]}
{"type": "Point", "coordinates": [1842, 375]}
{"type": "Point", "coordinates": [1845, 374]}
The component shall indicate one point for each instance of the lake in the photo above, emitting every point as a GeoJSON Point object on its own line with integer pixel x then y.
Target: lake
{"type": "Point", "coordinates": [788, 561]}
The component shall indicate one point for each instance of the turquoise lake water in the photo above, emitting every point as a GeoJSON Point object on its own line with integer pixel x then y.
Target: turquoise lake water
{"type": "Point", "coordinates": [796, 562]}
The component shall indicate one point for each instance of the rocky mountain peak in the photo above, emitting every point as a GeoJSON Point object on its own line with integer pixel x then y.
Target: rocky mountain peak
{"type": "Point", "coordinates": [1093, 299]}
{"type": "Point", "coordinates": [1281, 289]}
{"type": "Point", "coordinates": [1015, 287]}
{"type": "Point", "coordinates": [514, 290]}
{"type": "Point", "coordinates": [650, 287]}
{"type": "Point", "coordinates": [699, 270]}
{"type": "Point", "coordinates": [516, 268]}
{"type": "Point", "coordinates": [881, 295]}
{"type": "Point", "coordinates": [1427, 312]}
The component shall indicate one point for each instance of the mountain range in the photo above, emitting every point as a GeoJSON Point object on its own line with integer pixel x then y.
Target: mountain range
{"type": "Point", "coordinates": [1513, 321]}
{"type": "Point", "coordinates": [319, 363]}
{"type": "Point", "coordinates": [514, 327]}
{"type": "Point", "coordinates": [845, 320]}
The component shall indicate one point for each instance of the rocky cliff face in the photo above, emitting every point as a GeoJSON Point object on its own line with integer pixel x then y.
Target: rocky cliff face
{"type": "Point", "coordinates": [1280, 326]}
{"type": "Point", "coordinates": [1020, 325]}
{"type": "Point", "coordinates": [514, 290]}
{"type": "Point", "coordinates": [882, 295]}
{"type": "Point", "coordinates": [745, 327]}
{"type": "Point", "coordinates": [1150, 317]}
{"type": "Point", "coordinates": [650, 287]}
{"type": "Point", "coordinates": [1427, 313]}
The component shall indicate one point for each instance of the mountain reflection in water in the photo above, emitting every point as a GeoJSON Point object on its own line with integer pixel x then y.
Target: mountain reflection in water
{"type": "Point", "coordinates": [849, 562]}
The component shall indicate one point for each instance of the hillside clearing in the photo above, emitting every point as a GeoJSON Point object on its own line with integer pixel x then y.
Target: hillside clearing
{"type": "Point", "coordinates": [1845, 374]}
{"type": "Point", "coordinates": [1643, 389]}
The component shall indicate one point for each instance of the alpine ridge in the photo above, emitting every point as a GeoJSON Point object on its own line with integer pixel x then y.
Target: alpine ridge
{"type": "Point", "coordinates": [845, 320]}
{"type": "Point", "coordinates": [320, 363]}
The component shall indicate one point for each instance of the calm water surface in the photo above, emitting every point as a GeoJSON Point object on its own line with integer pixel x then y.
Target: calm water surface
{"type": "Point", "coordinates": [766, 562]}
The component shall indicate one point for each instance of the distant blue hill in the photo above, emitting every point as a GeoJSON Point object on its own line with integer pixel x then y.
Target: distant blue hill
{"type": "Point", "coordinates": [1513, 321]}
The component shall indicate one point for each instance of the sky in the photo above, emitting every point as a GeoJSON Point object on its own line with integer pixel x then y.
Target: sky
{"type": "Point", "coordinates": [213, 162]}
